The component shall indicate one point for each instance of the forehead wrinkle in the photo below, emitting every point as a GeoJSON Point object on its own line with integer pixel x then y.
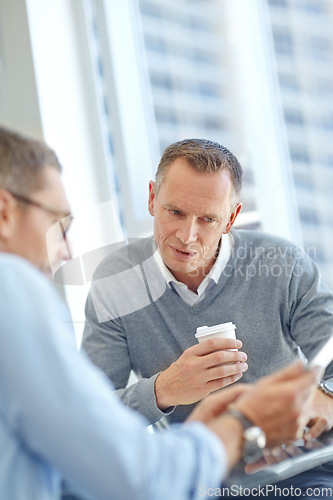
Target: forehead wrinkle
{"type": "Point", "coordinates": [199, 204]}
{"type": "Point", "coordinates": [196, 192]}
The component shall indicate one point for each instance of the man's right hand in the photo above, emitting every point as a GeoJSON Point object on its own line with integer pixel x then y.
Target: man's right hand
{"type": "Point", "coordinates": [280, 403]}
{"type": "Point", "coordinates": [200, 370]}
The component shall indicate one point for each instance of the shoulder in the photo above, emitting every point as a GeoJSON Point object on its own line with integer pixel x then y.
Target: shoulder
{"type": "Point", "coordinates": [25, 290]}
{"type": "Point", "coordinates": [258, 244]}
{"type": "Point", "coordinates": [125, 257]}
{"type": "Point", "coordinates": [15, 270]}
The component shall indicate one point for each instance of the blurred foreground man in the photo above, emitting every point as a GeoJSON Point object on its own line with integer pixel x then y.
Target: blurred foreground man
{"type": "Point", "coordinates": [59, 417]}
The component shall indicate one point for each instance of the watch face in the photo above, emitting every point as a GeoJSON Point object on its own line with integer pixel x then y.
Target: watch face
{"type": "Point", "coordinates": [328, 384]}
{"type": "Point", "coordinates": [255, 441]}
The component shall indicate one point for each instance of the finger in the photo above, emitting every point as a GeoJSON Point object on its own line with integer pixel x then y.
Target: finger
{"type": "Point", "coordinates": [251, 468]}
{"type": "Point", "coordinates": [318, 427]}
{"type": "Point", "coordinates": [269, 457]}
{"type": "Point", "coordinates": [215, 404]}
{"type": "Point", "coordinates": [215, 345]}
{"type": "Point", "coordinates": [220, 383]}
{"type": "Point", "coordinates": [221, 357]}
{"type": "Point", "coordinates": [227, 370]}
{"type": "Point", "coordinates": [294, 373]}
{"type": "Point", "coordinates": [293, 451]}
{"type": "Point", "coordinates": [290, 372]}
{"type": "Point", "coordinates": [306, 382]}
{"type": "Point", "coordinates": [279, 453]}
{"type": "Point", "coordinates": [221, 400]}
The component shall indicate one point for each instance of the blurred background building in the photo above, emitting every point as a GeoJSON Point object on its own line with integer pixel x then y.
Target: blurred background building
{"type": "Point", "coordinates": [110, 83]}
{"type": "Point", "coordinates": [303, 46]}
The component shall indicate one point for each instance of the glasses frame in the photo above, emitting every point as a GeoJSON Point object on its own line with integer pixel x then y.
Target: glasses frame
{"type": "Point", "coordinates": [42, 206]}
{"type": "Point", "coordinates": [50, 210]}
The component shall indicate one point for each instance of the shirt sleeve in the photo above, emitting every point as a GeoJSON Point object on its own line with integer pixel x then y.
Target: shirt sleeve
{"type": "Point", "coordinates": [310, 303]}
{"type": "Point", "coordinates": [64, 410]}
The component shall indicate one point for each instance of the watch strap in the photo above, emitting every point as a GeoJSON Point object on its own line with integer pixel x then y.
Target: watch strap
{"type": "Point", "coordinates": [254, 438]}
{"type": "Point", "coordinates": [246, 422]}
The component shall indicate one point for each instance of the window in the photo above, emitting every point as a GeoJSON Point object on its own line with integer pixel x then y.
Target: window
{"type": "Point", "coordinates": [213, 123]}
{"type": "Point", "coordinates": [208, 90]}
{"type": "Point", "coordinates": [277, 3]}
{"type": "Point", "coordinates": [293, 117]}
{"type": "Point", "coordinates": [308, 216]}
{"type": "Point", "coordinates": [299, 154]}
{"type": "Point", "coordinates": [313, 6]}
{"type": "Point", "coordinates": [318, 48]}
{"type": "Point", "coordinates": [326, 122]}
{"type": "Point", "coordinates": [161, 80]}
{"type": "Point", "coordinates": [150, 9]}
{"type": "Point", "coordinates": [289, 82]}
{"type": "Point", "coordinates": [283, 42]}
{"type": "Point", "coordinates": [166, 115]}
{"type": "Point", "coordinates": [303, 182]}
{"type": "Point", "coordinates": [155, 44]}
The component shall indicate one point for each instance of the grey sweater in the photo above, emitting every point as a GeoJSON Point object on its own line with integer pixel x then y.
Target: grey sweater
{"type": "Point", "coordinates": [270, 289]}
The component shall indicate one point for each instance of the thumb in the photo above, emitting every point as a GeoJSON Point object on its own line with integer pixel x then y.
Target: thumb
{"type": "Point", "coordinates": [220, 401]}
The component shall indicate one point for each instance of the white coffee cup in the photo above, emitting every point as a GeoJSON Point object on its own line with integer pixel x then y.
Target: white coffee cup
{"type": "Point", "coordinates": [222, 331]}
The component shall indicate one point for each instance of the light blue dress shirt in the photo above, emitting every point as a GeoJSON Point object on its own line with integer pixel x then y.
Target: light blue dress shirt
{"type": "Point", "coordinates": [59, 417]}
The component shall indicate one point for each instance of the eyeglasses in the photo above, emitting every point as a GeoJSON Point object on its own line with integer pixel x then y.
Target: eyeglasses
{"type": "Point", "coordinates": [42, 206]}
{"type": "Point", "coordinates": [50, 210]}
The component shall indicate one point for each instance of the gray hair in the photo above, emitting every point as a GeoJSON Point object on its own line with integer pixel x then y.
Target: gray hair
{"type": "Point", "coordinates": [204, 156]}
{"type": "Point", "coordinates": [22, 162]}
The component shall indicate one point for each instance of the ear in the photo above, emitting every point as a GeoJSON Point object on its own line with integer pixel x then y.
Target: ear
{"type": "Point", "coordinates": [7, 214]}
{"type": "Point", "coordinates": [151, 198]}
{"type": "Point", "coordinates": [232, 217]}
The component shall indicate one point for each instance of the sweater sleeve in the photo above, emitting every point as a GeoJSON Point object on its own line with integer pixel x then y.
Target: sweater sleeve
{"type": "Point", "coordinates": [106, 345]}
{"type": "Point", "coordinates": [310, 303]}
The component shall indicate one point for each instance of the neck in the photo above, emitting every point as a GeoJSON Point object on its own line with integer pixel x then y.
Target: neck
{"type": "Point", "coordinates": [193, 280]}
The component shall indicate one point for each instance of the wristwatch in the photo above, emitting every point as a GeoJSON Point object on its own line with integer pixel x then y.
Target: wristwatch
{"type": "Point", "coordinates": [254, 438]}
{"type": "Point", "coordinates": [326, 386]}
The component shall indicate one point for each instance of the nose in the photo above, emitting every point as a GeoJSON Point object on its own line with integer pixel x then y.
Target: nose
{"type": "Point", "coordinates": [58, 245]}
{"type": "Point", "coordinates": [187, 231]}
{"type": "Point", "coordinates": [64, 250]}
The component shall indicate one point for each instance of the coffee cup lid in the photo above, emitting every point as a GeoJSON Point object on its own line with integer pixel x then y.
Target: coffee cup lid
{"type": "Point", "coordinates": [208, 330]}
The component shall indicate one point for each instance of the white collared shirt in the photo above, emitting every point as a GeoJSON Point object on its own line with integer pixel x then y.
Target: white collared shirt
{"type": "Point", "coordinates": [212, 278]}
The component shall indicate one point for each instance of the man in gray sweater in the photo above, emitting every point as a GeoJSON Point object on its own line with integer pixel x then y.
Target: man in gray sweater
{"type": "Point", "coordinates": [148, 298]}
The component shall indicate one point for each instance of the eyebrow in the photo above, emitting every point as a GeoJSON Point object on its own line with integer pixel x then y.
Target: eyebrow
{"type": "Point", "coordinates": [209, 216]}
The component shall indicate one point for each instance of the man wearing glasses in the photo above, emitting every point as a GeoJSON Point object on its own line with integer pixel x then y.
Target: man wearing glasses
{"type": "Point", "coordinates": [33, 201]}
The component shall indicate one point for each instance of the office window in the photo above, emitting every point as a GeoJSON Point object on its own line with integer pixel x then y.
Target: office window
{"type": "Point", "coordinates": [304, 182]}
{"type": "Point", "coordinates": [309, 216]}
{"type": "Point", "coordinates": [289, 82]}
{"type": "Point", "coordinates": [283, 41]}
{"type": "Point", "coordinates": [325, 122]}
{"type": "Point", "coordinates": [318, 48]}
{"type": "Point", "coordinates": [161, 80]}
{"type": "Point", "coordinates": [294, 117]}
{"type": "Point", "coordinates": [155, 44]}
{"type": "Point", "coordinates": [151, 9]}
{"type": "Point", "coordinates": [313, 6]}
{"type": "Point", "coordinates": [277, 3]}
{"type": "Point", "coordinates": [166, 115]}
{"type": "Point", "coordinates": [299, 154]}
